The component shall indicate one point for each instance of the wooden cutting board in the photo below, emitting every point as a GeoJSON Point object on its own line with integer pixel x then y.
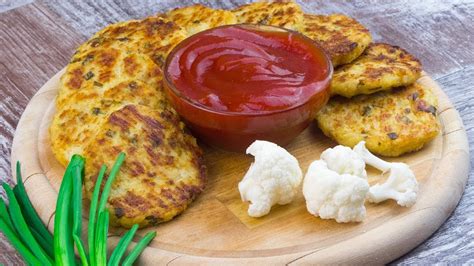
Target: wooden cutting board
{"type": "Point", "coordinates": [216, 229]}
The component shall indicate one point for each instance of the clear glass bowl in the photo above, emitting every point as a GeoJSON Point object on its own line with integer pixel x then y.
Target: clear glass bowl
{"type": "Point", "coordinates": [235, 131]}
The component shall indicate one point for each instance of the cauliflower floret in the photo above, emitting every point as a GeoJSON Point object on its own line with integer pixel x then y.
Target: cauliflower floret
{"type": "Point", "coordinates": [330, 195]}
{"type": "Point", "coordinates": [344, 160]}
{"type": "Point", "coordinates": [272, 179]}
{"type": "Point", "coordinates": [401, 184]}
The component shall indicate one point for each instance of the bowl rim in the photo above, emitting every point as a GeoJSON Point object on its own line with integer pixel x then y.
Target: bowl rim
{"type": "Point", "coordinates": [170, 84]}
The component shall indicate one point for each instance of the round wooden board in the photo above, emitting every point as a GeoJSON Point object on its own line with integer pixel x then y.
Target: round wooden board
{"type": "Point", "coordinates": [216, 229]}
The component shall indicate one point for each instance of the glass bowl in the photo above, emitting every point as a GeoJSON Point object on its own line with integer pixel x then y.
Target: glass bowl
{"type": "Point", "coordinates": [235, 131]}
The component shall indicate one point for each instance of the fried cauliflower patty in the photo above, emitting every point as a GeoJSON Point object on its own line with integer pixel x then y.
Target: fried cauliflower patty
{"type": "Point", "coordinates": [381, 67]}
{"type": "Point", "coordinates": [111, 100]}
{"type": "Point", "coordinates": [163, 171]}
{"type": "Point", "coordinates": [127, 52]}
{"type": "Point", "coordinates": [343, 38]}
{"type": "Point", "coordinates": [390, 122]}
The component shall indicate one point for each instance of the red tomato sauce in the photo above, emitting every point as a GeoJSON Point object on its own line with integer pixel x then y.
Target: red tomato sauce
{"type": "Point", "coordinates": [243, 70]}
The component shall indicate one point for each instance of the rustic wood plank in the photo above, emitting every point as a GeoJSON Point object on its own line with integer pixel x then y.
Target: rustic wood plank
{"type": "Point", "coordinates": [38, 43]}
{"type": "Point", "coordinates": [35, 44]}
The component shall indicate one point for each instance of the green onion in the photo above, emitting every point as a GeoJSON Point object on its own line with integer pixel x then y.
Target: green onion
{"type": "Point", "coordinates": [28, 210]}
{"type": "Point", "coordinates": [80, 249]}
{"type": "Point", "coordinates": [77, 200]}
{"type": "Point", "coordinates": [4, 215]}
{"type": "Point", "coordinates": [67, 222]}
{"type": "Point", "coordinates": [38, 229]}
{"type": "Point", "coordinates": [121, 247]}
{"type": "Point", "coordinates": [43, 242]}
{"type": "Point", "coordinates": [63, 242]}
{"type": "Point", "coordinates": [101, 209]}
{"type": "Point", "coordinates": [110, 179]}
{"type": "Point", "coordinates": [77, 211]}
{"type": "Point", "coordinates": [137, 250]}
{"type": "Point", "coordinates": [16, 242]}
{"type": "Point", "coordinates": [22, 227]}
{"type": "Point", "coordinates": [93, 213]}
{"type": "Point", "coordinates": [101, 238]}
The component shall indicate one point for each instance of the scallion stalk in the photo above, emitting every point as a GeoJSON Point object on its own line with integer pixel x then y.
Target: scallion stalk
{"type": "Point", "coordinates": [63, 241]}
{"type": "Point", "coordinates": [28, 210]}
{"type": "Point", "coordinates": [121, 247]}
{"type": "Point", "coordinates": [138, 249]}
{"type": "Point", "coordinates": [93, 214]}
{"type": "Point", "coordinates": [108, 184]}
{"type": "Point", "coordinates": [101, 238]}
{"type": "Point", "coordinates": [19, 246]}
{"type": "Point", "coordinates": [4, 215]}
{"type": "Point", "coordinates": [22, 228]}
{"type": "Point", "coordinates": [77, 212]}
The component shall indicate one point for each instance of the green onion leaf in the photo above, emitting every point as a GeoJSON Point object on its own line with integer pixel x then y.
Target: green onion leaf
{"type": "Point", "coordinates": [16, 242]}
{"type": "Point", "coordinates": [29, 211]}
{"type": "Point", "coordinates": [121, 247]}
{"type": "Point", "coordinates": [80, 249]}
{"type": "Point", "coordinates": [139, 247]}
{"type": "Point", "coordinates": [93, 214]}
{"type": "Point", "coordinates": [4, 215]}
{"type": "Point", "coordinates": [110, 179]}
{"type": "Point", "coordinates": [63, 241]}
{"type": "Point", "coordinates": [77, 212]}
{"type": "Point", "coordinates": [77, 200]}
{"type": "Point", "coordinates": [43, 242]}
{"type": "Point", "coordinates": [22, 227]}
{"type": "Point", "coordinates": [101, 209]}
{"type": "Point", "coordinates": [101, 238]}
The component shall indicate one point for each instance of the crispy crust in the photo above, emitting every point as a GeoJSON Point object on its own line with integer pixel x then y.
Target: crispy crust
{"type": "Point", "coordinates": [391, 122]}
{"type": "Point", "coordinates": [197, 18]}
{"type": "Point", "coordinates": [342, 37]}
{"type": "Point", "coordinates": [77, 121]}
{"type": "Point", "coordinates": [381, 67]}
{"type": "Point", "coordinates": [152, 36]}
{"type": "Point", "coordinates": [285, 14]}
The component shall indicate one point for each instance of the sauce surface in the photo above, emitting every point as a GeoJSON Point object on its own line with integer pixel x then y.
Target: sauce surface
{"type": "Point", "coordinates": [245, 69]}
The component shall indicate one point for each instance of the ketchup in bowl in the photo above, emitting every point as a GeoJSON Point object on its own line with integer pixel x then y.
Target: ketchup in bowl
{"type": "Point", "coordinates": [235, 84]}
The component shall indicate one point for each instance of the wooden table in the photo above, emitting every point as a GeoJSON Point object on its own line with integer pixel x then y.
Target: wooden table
{"type": "Point", "coordinates": [38, 38]}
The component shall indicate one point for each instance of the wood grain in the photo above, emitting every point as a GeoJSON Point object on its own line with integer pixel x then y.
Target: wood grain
{"type": "Point", "coordinates": [36, 41]}
{"type": "Point", "coordinates": [33, 47]}
{"type": "Point", "coordinates": [216, 228]}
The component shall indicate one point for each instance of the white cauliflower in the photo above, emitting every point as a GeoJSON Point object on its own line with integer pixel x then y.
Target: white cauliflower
{"type": "Point", "coordinates": [272, 179]}
{"type": "Point", "coordinates": [331, 195]}
{"type": "Point", "coordinates": [401, 184]}
{"type": "Point", "coordinates": [344, 160]}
